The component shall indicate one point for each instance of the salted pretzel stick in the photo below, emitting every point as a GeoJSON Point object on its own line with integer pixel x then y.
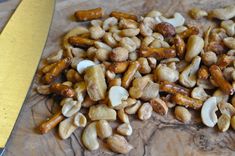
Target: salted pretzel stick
{"type": "Point", "coordinates": [87, 15]}
{"type": "Point", "coordinates": [119, 67]}
{"type": "Point", "coordinates": [219, 79]}
{"type": "Point", "coordinates": [129, 74]}
{"type": "Point", "coordinates": [159, 53]}
{"type": "Point", "coordinates": [48, 125]}
{"type": "Point", "coordinates": [173, 88]}
{"type": "Point", "coordinates": [62, 90]}
{"type": "Point", "coordinates": [188, 32]}
{"type": "Point", "coordinates": [120, 15]}
{"type": "Point", "coordinates": [78, 41]}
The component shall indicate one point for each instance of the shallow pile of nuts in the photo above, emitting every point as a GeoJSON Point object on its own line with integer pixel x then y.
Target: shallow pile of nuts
{"type": "Point", "coordinates": [124, 65]}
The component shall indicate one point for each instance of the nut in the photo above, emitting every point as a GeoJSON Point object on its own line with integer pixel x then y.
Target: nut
{"type": "Point", "coordinates": [229, 26]}
{"type": "Point", "coordinates": [133, 109]}
{"type": "Point", "coordinates": [203, 73]}
{"type": "Point", "coordinates": [147, 41]}
{"type": "Point", "coordinates": [125, 129]}
{"type": "Point", "coordinates": [73, 76]}
{"type": "Point", "coordinates": [150, 91]}
{"type": "Point", "coordinates": [126, 103]}
{"type": "Point", "coordinates": [102, 45]}
{"type": "Point", "coordinates": [152, 62]}
{"type": "Point", "coordinates": [164, 73]}
{"type": "Point", "coordinates": [224, 122]}
{"type": "Point", "coordinates": [177, 20]}
{"type": "Point", "coordinates": [111, 21]}
{"type": "Point", "coordinates": [80, 120]}
{"type": "Point", "coordinates": [70, 107]}
{"type": "Point", "coordinates": [182, 114]}
{"type": "Point", "coordinates": [133, 56]}
{"type": "Point", "coordinates": [166, 29]}
{"type": "Point", "coordinates": [96, 22]}
{"type": "Point", "coordinates": [87, 102]}
{"type": "Point", "coordinates": [228, 73]}
{"type": "Point", "coordinates": [129, 32]}
{"type": "Point", "coordinates": [66, 127]}
{"type": "Point", "coordinates": [154, 13]}
{"type": "Point", "coordinates": [115, 82]}
{"type": "Point", "coordinates": [110, 75]}
{"type": "Point", "coordinates": [128, 43]}
{"type": "Point", "coordinates": [208, 110]}
{"type": "Point", "coordinates": [101, 112]}
{"type": "Point", "coordinates": [233, 122]}
{"type": "Point", "coordinates": [83, 65]}
{"type": "Point", "coordinates": [68, 83]}
{"type": "Point", "coordinates": [209, 58]}
{"type": "Point", "coordinates": [159, 44]}
{"type": "Point", "coordinates": [159, 106]}
{"type": "Point", "coordinates": [109, 39]}
{"type": "Point", "coordinates": [119, 15]}
{"type": "Point", "coordinates": [199, 93]}
{"type": "Point", "coordinates": [119, 54]}
{"type": "Point", "coordinates": [104, 130]}
{"type": "Point", "coordinates": [144, 66]}
{"type": "Point", "coordinates": [229, 42]}
{"type": "Point", "coordinates": [44, 89]}
{"type": "Point", "coordinates": [226, 108]}
{"type": "Point", "coordinates": [127, 24]}
{"type": "Point", "coordinates": [194, 47]}
{"type": "Point", "coordinates": [96, 32]}
{"type": "Point", "coordinates": [138, 85]}
{"type": "Point", "coordinates": [145, 30]}
{"type": "Point", "coordinates": [145, 111]}
{"type": "Point", "coordinates": [197, 13]}
{"type": "Point", "coordinates": [102, 54]}
{"type": "Point", "coordinates": [55, 57]}
{"type": "Point", "coordinates": [118, 143]}
{"type": "Point", "coordinates": [188, 76]}
{"type": "Point", "coordinates": [116, 95]}
{"type": "Point", "coordinates": [119, 67]}
{"type": "Point", "coordinates": [137, 41]}
{"type": "Point", "coordinates": [89, 137]}
{"type": "Point", "coordinates": [123, 116]}
{"type": "Point", "coordinates": [225, 13]}
{"type": "Point", "coordinates": [129, 74]}
{"type": "Point", "coordinates": [180, 29]}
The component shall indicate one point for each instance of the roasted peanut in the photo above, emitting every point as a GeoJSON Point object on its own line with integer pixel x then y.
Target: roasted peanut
{"type": "Point", "coordinates": [144, 66]}
{"type": "Point", "coordinates": [86, 15]}
{"type": "Point", "coordinates": [128, 43]}
{"type": "Point", "coordinates": [129, 32]}
{"type": "Point", "coordinates": [224, 122]}
{"type": "Point", "coordinates": [119, 67]}
{"type": "Point", "coordinates": [145, 111]}
{"type": "Point", "coordinates": [96, 32]}
{"type": "Point", "coordinates": [108, 38]}
{"type": "Point", "coordinates": [119, 54]}
{"type": "Point", "coordinates": [133, 109]}
{"type": "Point", "coordinates": [159, 106]}
{"type": "Point", "coordinates": [128, 75]}
{"type": "Point", "coordinates": [150, 91]}
{"type": "Point", "coordinates": [125, 129]}
{"type": "Point", "coordinates": [104, 130]}
{"type": "Point", "coordinates": [127, 24]}
{"type": "Point", "coordinates": [164, 73]}
{"type": "Point", "coordinates": [209, 58]}
{"type": "Point", "coordinates": [182, 114]}
{"type": "Point", "coordinates": [123, 116]}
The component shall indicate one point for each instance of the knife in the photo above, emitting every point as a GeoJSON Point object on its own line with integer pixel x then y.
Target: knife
{"type": "Point", "coordinates": [21, 44]}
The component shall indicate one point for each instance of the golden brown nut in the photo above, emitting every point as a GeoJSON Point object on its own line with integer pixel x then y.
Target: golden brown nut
{"type": "Point", "coordinates": [62, 90]}
{"type": "Point", "coordinates": [159, 106]}
{"type": "Point", "coordinates": [166, 29]}
{"type": "Point", "coordinates": [119, 67]}
{"type": "Point", "coordinates": [86, 15]}
{"type": "Point", "coordinates": [119, 15]}
{"type": "Point", "coordinates": [129, 74]}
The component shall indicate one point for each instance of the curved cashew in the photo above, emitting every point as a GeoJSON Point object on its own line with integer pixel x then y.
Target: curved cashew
{"type": "Point", "coordinates": [116, 95]}
{"type": "Point", "coordinates": [55, 57]}
{"type": "Point", "coordinates": [208, 114]}
{"type": "Point", "coordinates": [89, 137]}
{"type": "Point", "coordinates": [66, 128]}
{"type": "Point", "coordinates": [177, 20]}
{"type": "Point", "coordinates": [188, 76]}
{"type": "Point", "coordinates": [83, 65]}
{"type": "Point", "coordinates": [154, 13]}
{"type": "Point", "coordinates": [70, 107]}
{"type": "Point", "coordinates": [229, 26]}
{"type": "Point", "coordinates": [199, 93]}
{"type": "Point", "coordinates": [225, 13]}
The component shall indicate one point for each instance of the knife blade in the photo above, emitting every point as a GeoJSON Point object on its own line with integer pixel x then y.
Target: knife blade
{"type": "Point", "coordinates": [21, 44]}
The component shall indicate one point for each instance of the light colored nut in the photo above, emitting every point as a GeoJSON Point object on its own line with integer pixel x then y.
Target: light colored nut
{"type": "Point", "coordinates": [164, 73]}
{"type": "Point", "coordinates": [154, 13]}
{"type": "Point", "coordinates": [145, 30]}
{"type": "Point", "coordinates": [119, 54]}
{"type": "Point", "coordinates": [149, 22]}
{"type": "Point", "coordinates": [96, 22]}
{"type": "Point", "coordinates": [129, 32]}
{"type": "Point", "coordinates": [68, 83]}
{"type": "Point", "coordinates": [205, 84]}
{"type": "Point", "coordinates": [104, 130]}
{"type": "Point", "coordinates": [101, 112]}
{"type": "Point", "coordinates": [102, 45]}
{"type": "Point", "coordinates": [152, 62]}
{"type": "Point", "coordinates": [128, 43]}
{"type": "Point", "coordinates": [208, 110]}
{"type": "Point", "coordinates": [44, 89]}
{"type": "Point", "coordinates": [159, 106]}
{"type": "Point", "coordinates": [229, 42]}
{"type": "Point", "coordinates": [102, 54]}
{"type": "Point", "coordinates": [127, 24]}
{"type": "Point", "coordinates": [199, 93]}
{"type": "Point", "coordinates": [91, 52]}
{"type": "Point", "coordinates": [55, 57]}
{"type": "Point", "coordinates": [133, 109]}
{"type": "Point", "coordinates": [118, 143]}
{"type": "Point", "coordinates": [116, 95]}
{"type": "Point", "coordinates": [188, 77]}
{"type": "Point", "coordinates": [220, 96]}
{"type": "Point", "coordinates": [182, 114]}
{"type": "Point", "coordinates": [158, 36]}
{"type": "Point", "coordinates": [177, 20]}
{"type": "Point", "coordinates": [108, 38]}
{"type": "Point", "coordinates": [145, 111]}
{"type": "Point", "coordinates": [227, 72]}
{"type": "Point", "coordinates": [144, 66]}
{"type": "Point", "coordinates": [125, 129]}
{"type": "Point", "coordinates": [137, 41]}
{"type": "Point", "coordinates": [194, 47]}
{"type": "Point", "coordinates": [197, 13]}
{"type": "Point", "coordinates": [224, 122]}
{"type": "Point", "coordinates": [209, 58]}
{"type": "Point", "coordinates": [89, 137]}
{"type": "Point", "coordinates": [226, 108]}
{"type": "Point", "coordinates": [225, 13]}
{"type": "Point", "coordinates": [109, 22]}
{"type": "Point", "coordinates": [117, 37]}
{"type": "Point", "coordinates": [180, 66]}
{"type": "Point", "coordinates": [115, 82]}
{"type": "Point", "coordinates": [123, 116]}
{"type": "Point", "coordinates": [138, 85]}
{"type": "Point", "coordinates": [150, 91]}
{"type": "Point", "coordinates": [70, 108]}
{"type": "Point", "coordinates": [110, 75]}
{"type": "Point", "coordinates": [180, 29]}
{"type": "Point", "coordinates": [96, 32]}
{"type": "Point", "coordinates": [229, 26]}
{"type": "Point", "coordinates": [159, 44]}
{"type": "Point", "coordinates": [83, 65]}
{"type": "Point", "coordinates": [233, 122]}
{"type": "Point", "coordinates": [133, 56]}
{"type": "Point", "coordinates": [147, 41]}
{"type": "Point", "coordinates": [88, 102]}
{"type": "Point", "coordinates": [80, 120]}
{"type": "Point", "coordinates": [126, 103]}
{"type": "Point", "coordinates": [66, 128]}
{"type": "Point", "coordinates": [114, 29]}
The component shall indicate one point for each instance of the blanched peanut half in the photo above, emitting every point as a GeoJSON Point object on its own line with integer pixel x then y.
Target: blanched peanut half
{"type": "Point", "coordinates": [125, 129]}
{"type": "Point", "coordinates": [66, 127]}
{"type": "Point", "coordinates": [133, 109]}
{"type": "Point", "coordinates": [159, 106]}
{"type": "Point", "coordinates": [224, 122]}
{"type": "Point", "coordinates": [101, 112]}
{"type": "Point", "coordinates": [128, 43]}
{"type": "Point", "coordinates": [229, 26]}
{"type": "Point", "coordinates": [129, 32]}
{"type": "Point", "coordinates": [102, 54]}
{"type": "Point", "coordinates": [123, 116]}
{"type": "Point", "coordinates": [164, 73]}
{"type": "Point", "coordinates": [89, 137]}
{"type": "Point", "coordinates": [229, 42]}
{"type": "Point", "coordinates": [119, 144]}
{"type": "Point", "coordinates": [96, 32]}
{"type": "Point", "coordinates": [108, 38]}
{"type": "Point", "coordinates": [194, 47]}
{"type": "Point", "coordinates": [70, 107]}
{"type": "Point", "coordinates": [199, 93]}
{"type": "Point", "coordinates": [150, 91]}
{"type": "Point", "coordinates": [104, 130]}
{"type": "Point", "coordinates": [147, 41]}
{"type": "Point", "coordinates": [119, 54]}
{"type": "Point", "coordinates": [209, 58]}
{"type": "Point", "coordinates": [111, 21]}
{"type": "Point", "coordinates": [96, 22]}
{"type": "Point", "coordinates": [137, 41]}
{"type": "Point", "coordinates": [138, 85]}
{"type": "Point", "coordinates": [127, 24]}
{"type": "Point", "coordinates": [102, 45]}
{"type": "Point", "coordinates": [80, 120]}
{"type": "Point", "coordinates": [182, 114]}
{"type": "Point", "coordinates": [145, 111]}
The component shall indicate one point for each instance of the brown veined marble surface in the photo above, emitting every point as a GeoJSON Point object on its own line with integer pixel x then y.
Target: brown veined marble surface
{"type": "Point", "coordinates": [159, 136]}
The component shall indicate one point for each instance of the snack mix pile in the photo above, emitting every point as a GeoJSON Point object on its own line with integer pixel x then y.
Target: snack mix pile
{"type": "Point", "coordinates": [124, 65]}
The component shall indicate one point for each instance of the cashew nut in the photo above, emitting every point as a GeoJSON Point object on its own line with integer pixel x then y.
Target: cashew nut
{"type": "Point", "coordinates": [225, 13]}
{"type": "Point", "coordinates": [133, 109]}
{"type": "Point", "coordinates": [89, 137]}
{"type": "Point", "coordinates": [104, 130]}
{"type": "Point", "coordinates": [208, 110]}
{"type": "Point", "coordinates": [66, 127]}
{"type": "Point", "coordinates": [154, 13]}
{"type": "Point", "coordinates": [101, 112]}
{"type": "Point", "coordinates": [125, 129]}
{"type": "Point", "coordinates": [199, 93]}
{"type": "Point", "coordinates": [177, 20]}
{"type": "Point", "coordinates": [116, 95]}
{"type": "Point", "coordinates": [188, 76]}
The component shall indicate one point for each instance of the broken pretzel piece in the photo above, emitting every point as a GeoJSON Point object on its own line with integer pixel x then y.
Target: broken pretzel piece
{"type": "Point", "coordinates": [62, 90]}
{"type": "Point", "coordinates": [120, 15]}
{"type": "Point", "coordinates": [129, 74]}
{"type": "Point", "coordinates": [78, 41]}
{"type": "Point", "coordinates": [87, 15]}
{"type": "Point", "coordinates": [219, 79]}
{"type": "Point", "coordinates": [186, 101]}
{"type": "Point", "coordinates": [180, 46]}
{"type": "Point", "coordinates": [159, 53]}
{"type": "Point", "coordinates": [119, 67]}
{"type": "Point", "coordinates": [188, 32]}
{"type": "Point", "coordinates": [173, 88]}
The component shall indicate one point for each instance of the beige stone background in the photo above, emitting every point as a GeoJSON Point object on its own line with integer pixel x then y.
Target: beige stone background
{"type": "Point", "coordinates": [159, 136]}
